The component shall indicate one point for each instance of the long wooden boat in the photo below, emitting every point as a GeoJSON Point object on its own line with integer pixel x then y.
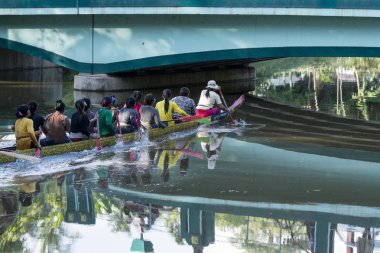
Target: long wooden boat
{"type": "Point", "coordinates": [105, 142]}
{"type": "Point", "coordinates": [110, 141]}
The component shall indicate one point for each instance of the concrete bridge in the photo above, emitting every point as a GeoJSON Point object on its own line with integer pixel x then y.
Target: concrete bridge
{"type": "Point", "coordinates": [100, 36]}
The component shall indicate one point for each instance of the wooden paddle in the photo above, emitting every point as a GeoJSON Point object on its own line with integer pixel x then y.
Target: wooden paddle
{"type": "Point", "coordinates": [21, 156]}
{"type": "Point", "coordinates": [98, 144]}
{"type": "Point", "coordinates": [38, 149]}
{"type": "Point", "coordinates": [120, 135]}
{"type": "Point", "coordinates": [225, 104]}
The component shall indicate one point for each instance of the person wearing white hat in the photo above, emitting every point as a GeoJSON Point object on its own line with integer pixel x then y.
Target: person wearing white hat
{"type": "Point", "coordinates": [212, 147]}
{"type": "Point", "coordinates": [209, 101]}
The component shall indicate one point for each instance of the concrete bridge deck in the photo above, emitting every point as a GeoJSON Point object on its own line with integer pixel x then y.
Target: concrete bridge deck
{"type": "Point", "coordinates": [100, 36]}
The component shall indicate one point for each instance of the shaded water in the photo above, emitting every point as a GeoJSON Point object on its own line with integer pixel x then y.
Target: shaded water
{"type": "Point", "coordinates": [284, 180]}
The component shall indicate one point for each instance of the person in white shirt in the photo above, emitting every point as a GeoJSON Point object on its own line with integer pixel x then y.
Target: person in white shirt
{"type": "Point", "coordinates": [210, 102]}
{"type": "Point", "coordinates": [211, 144]}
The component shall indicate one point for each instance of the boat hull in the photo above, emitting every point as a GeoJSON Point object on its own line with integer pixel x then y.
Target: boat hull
{"type": "Point", "coordinates": [105, 142]}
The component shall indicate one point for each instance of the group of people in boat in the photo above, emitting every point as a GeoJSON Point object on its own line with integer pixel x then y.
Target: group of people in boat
{"type": "Point", "coordinates": [109, 120]}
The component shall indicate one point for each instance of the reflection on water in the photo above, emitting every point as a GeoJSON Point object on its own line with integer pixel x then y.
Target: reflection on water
{"type": "Point", "coordinates": [14, 94]}
{"type": "Point", "coordinates": [213, 188]}
{"type": "Point", "coordinates": [344, 86]}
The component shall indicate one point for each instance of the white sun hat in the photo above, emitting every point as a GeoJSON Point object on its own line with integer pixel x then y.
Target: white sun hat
{"type": "Point", "coordinates": [212, 84]}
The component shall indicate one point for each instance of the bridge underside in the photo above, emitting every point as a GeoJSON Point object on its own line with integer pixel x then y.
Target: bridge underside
{"type": "Point", "coordinates": [130, 43]}
{"type": "Point", "coordinates": [190, 67]}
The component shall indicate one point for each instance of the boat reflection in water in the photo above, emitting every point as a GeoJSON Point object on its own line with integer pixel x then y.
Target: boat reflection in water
{"type": "Point", "coordinates": [195, 193]}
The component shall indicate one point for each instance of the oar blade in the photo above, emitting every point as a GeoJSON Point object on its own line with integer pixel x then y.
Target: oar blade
{"type": "Point", "coordinates": [37, 154]}
{"type": "Point", "coordinates": [98, 145]}
{"type": "Point", "coordinates": [204, 121]}
{"type": "Point", "coordinates": [21, 156]}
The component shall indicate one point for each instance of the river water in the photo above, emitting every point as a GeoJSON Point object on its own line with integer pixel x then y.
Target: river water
{"type": "Point", "coordinates": [285, 179]}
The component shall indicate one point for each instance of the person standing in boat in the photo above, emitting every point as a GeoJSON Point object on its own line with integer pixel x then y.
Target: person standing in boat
{"type": "Point", "coordinates": [79, 123]}
{"type": "Point", "coordinates": [106, 120]}
{"type": "Point", "coordinates": [24, 132]}
{"type": "Point", "coordinates": [128, 117]}
{"type": "Point", "coordinates": [150, 118]}
{"type": "Point", "coordinates": [57, 124]}
{"type": "Point", "coordinates": [184, 102]}
{"type": "Point", "coordinates": [166, 108]}
{"type": "Point", "coordinates": [209, 101]}
{"type": "Point", "coordinates": [90, 115]}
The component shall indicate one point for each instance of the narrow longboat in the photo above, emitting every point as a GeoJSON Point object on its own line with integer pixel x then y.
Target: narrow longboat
{"type": "Point", "coordinates": [188, 123]}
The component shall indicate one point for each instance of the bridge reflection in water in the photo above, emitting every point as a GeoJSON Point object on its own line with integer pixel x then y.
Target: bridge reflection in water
{"type": "Point", "coordinates": [220, 188]}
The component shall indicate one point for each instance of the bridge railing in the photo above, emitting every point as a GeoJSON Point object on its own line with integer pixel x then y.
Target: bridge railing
{"type": "Point", "coordinates": [320, 4]}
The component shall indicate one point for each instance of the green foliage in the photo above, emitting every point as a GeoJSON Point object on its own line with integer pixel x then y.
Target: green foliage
{"type": "Point", "coordinates": [171, 221]}
{"type": "Point", "coordinates": [68, 87]}
{"type": "Point", "coordinates": [68, 75]}
{"type": "Point", "coordinates": [41, 220]}
{"type": "Point", "coordinates": [68, 91]}
{"type": "Point", "coordinates": [324, 72]}
{"type": "Point", "coordinates": [263, 231]}
{"type": "Point", "coordinates": [112, 208]}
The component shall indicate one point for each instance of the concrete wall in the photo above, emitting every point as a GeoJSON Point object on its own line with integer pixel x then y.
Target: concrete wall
{"type": "Point", "coordinates": [233, 81]}
{"type": "Point", "coordinates": [24, 78]}
{"type": "Point", "coordinates": [15, 66]}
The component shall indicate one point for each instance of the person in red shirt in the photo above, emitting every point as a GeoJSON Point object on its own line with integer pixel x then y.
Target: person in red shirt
{"type": "Point", "coordinates": [137, 96]}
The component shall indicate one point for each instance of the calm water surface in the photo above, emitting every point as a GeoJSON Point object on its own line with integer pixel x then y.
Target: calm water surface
{"type": "Point", "coordinates": [283, 180]}
{"type": "Point", "coordinates": [213, 189]}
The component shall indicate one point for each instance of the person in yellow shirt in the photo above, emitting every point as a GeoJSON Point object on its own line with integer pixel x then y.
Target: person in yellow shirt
{"type": "Point", "coordinates": [169, 156]}
{"type": "Point", "coordinates": [25, 137]}
{"type": "Point", "coordinates": [167, 107]}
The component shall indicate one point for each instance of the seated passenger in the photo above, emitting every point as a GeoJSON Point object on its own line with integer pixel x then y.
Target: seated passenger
{"type": "Point", "coordinates": [57, 124]}
{"type": "Point", "coordinates": [128, 117]}
{"type": "Point", "coordinates": [137, 96]}
{"type": "Point", "coordinates": [115, 115]}
{"type": "Point", "coordinates": [150, 117]}
{"type": "Point", "coordinates": [38, 120]}
{"type": "Point", "coordinates": [210, 102]}
{"type": "Point", "coordinates": [79, 123]}
{"type": "Point", "coordinates": [166, 108]}
{"type": "Point", "coordinates": [90, 115]}
{"type": "Point", "coordinates": [106, 120]}
{"type": "Point", "coordinates": [184, 102]}
{"type": "Point", "coordinates": [24, 132]}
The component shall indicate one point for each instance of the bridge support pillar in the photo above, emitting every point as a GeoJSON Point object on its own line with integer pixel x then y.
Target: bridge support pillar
{"type": "Point", "coordinates": [324, 237]}
{"type": "Point", "coordinates": [235, 80]}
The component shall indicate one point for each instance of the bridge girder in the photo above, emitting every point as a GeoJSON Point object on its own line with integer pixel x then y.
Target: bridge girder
{"type": "Point", "coordinates": [128, 43]}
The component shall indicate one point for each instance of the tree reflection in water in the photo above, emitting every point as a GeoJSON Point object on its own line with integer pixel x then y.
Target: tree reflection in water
{"type": "Point", "coordinates": [189, 225]}
{"type": "Point", "coordinates": [345, 86]}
